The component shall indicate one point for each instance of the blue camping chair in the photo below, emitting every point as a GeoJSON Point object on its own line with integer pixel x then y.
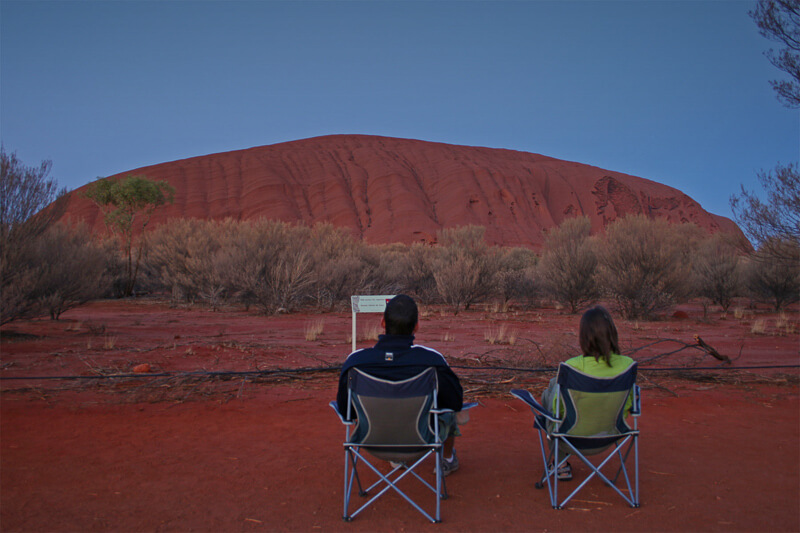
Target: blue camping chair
{"type": "Point", "coordinates": [589, 421]}
{"type": "Point", "coordinates": [393, 421]}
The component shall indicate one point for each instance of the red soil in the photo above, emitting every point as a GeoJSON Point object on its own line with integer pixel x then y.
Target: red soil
{"type": "Point", "coordinates": [240, 455]}
{"type": "Point", "coordinates": [398, 190]}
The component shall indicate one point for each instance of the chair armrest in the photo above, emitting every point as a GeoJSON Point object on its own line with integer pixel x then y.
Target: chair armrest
{"type": "Point", "coordinates": [464, 407]}
{"type": "Point", "coordinates": [335, 406]}
{"type": "Point", "coordinates": [636, 407]}
{"type": "Point", "coordinates": [528, 398]}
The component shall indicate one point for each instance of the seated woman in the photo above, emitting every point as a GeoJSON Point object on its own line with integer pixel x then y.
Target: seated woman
{"type": "Point", "coordinates": [599, 343]}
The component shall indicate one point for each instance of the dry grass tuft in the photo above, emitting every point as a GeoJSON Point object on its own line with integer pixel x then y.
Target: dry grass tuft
{"type": "Point", "coordinates": [314, 329]}
{"type": "Point", "coordinates": [500, 335]}
{"type": "Point", "coordinates": [759, 327]}
{"type": "Point", "coordinates": [109, 341]}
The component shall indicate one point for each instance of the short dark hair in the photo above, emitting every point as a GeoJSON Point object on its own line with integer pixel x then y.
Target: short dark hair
{"type": "Point", "coordinates": [598, 334]}
{"type": "Point", "coordinates": [401, 315]}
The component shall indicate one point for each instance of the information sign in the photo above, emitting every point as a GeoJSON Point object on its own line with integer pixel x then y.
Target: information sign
{"type": "Point", "coordinates": [367, 304]}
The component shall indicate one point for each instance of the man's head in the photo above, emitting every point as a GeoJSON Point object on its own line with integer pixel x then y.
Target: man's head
{"type": "Point", "coordinates": [400, 316]}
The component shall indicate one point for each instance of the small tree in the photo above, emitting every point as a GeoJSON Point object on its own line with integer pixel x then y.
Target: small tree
{"type": "Point", "coordinates": [516, 279]}
{"type": "Point", "coordinates": [775, 277]}
{"type": "Point", "coordinates": [29, 203]}
{"type": "Point", "coordinates": [717, 272]}
{"type": "Point", "coordinates": [71, 269]}
{"type": "Point", "coordinates": [127, 204]}
{"type": "Point", "coordinates": [779, 20]}
{"type": "Point", "coordinates": [272, 265]}
{"type": "Point", "coordinates": [569, 264]}
{"type": "Point", "coordinates": [418, 273]}
{"type": "Point", "coordinates": [466, 268]}
{"type": "Point", "coordinates": [776, 219]}
{"type": "Point", "coordinates": [643, 267]}
{"type": "Point", "coordinates": [341, 265]}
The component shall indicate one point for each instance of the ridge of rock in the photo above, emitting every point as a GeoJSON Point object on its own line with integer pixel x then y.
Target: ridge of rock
{"type": "Point", "coordinates": [402, 190]}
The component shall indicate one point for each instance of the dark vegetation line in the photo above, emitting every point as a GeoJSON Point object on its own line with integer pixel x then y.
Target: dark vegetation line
{"type": "Point", "coordinates": [338, 367]}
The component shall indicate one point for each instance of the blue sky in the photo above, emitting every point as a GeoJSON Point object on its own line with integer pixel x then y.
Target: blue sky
{"type": "Point", "coordinates": [673, 91]}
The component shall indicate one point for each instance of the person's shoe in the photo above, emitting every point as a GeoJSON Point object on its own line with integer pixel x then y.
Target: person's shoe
{"type": "Point", "coordinates": [396, 465]}
{"type": "Point", "coordinates": [564, 472]}
{"type": "Point", "coordinates": [450, 466]}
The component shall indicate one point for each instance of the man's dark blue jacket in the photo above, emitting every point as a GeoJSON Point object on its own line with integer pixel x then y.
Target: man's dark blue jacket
{"type": "Point", "coordinates": [396, 357]}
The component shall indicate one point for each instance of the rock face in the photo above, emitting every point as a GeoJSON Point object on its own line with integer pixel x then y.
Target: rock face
{"type": "Point", "coordinates": [399, 190]}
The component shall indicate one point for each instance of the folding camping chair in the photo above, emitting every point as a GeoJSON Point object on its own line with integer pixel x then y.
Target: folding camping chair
{"type": "Point", "coordinates": [393, 421]}
{"type": "Point", "coordinates": [593, 423]}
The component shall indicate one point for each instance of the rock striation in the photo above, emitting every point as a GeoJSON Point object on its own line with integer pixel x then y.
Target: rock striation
{"type": "Point", "coordinates": [400, 190]}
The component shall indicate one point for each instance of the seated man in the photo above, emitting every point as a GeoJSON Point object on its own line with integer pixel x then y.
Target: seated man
{"type": "Point", "coordinates": [395, 357]}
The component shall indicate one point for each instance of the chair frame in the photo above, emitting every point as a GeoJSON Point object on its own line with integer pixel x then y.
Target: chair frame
{"type": "Point", "coordinates": [354, 453]}
{"type": "Point", "coordinates": [623, 443]}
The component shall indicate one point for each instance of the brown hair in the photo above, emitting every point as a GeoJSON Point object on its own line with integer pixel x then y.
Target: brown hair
{"type": "Point", "coordinates": [598, 334]}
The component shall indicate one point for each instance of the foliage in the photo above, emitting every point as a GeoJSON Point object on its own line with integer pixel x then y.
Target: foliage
{"type": "Point", "coordinates": [642, 266]}
{"type": "Point", "coordinates": [717, 270]}
{"type": "Point", "coordinates": [569, 264]}
{"type": "Point", "coordinates": [71, 269]}
{"type": "Point", "coordinates": [779, 21]}
{"type": "Point", "coordinates": [465, 267]}
{"type": "Point", "coordinates": [192, 258]}
{"type": "Point", "coordinates": [342, 266]}
{"type": "Point", "coordinates": [29, 204]}
{"type": "Point", "coordinates": [774, 273]}
{"type": "Point", "coordinates": [417, 273]}
{"type": "Point", "coordinates": [127, 204]}
{"type": "Point", "coordinates": [516, 279]}
{"type": "Point", "coordinates": [778, 218]}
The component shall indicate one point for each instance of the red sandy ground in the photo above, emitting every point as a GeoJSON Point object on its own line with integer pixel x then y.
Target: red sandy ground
{"type": "Point", "coordinates": [718, 453]}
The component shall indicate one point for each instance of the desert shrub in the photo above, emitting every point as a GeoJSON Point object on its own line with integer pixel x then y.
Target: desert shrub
{"type": "Point", "coordinates": [568, 268]}
{"type": "Point", "coordinates": [343, 266]}
{"type": "Point", "coordinates": [20, 273]}
{"type": "Point", "coordinates": [389, 262]}
{"type": "Point", "coordinates": [30, 202]}
{"type": "Point", "coordinates": [412, 272]}
{"type": "Point", "coordinates": [192, 258]}
{"type": "Point", "coordinates": [466, 268]}
{"type": "Point", "coordinates": [642, 266]}
{"type": "Point", "coordinates": [773, 273]}
{"type": "Point", "coordinates": [516, 279]}
{"type": "Point", "coordinates": [72, 269]}
{"type": "Point", "coordinates": [717, 271]}
{"type": "Point", "coordinates": [272, 265]}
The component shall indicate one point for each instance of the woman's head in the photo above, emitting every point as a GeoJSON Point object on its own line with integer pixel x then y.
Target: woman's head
{"type": "Point", "coordinates": [598, 334]}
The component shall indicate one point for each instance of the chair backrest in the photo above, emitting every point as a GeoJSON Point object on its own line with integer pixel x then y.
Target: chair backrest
{"type": "Point", "coordinates": [392, 415]}
{"type": "Point", "coordinates": [594, 405]}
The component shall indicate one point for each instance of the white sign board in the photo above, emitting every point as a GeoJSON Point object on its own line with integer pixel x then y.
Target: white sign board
{"type": "Point", "coordinates": [368, 304]}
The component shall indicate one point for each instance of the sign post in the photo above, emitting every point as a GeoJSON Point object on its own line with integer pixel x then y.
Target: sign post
{"type": "Point", "coordinates": [367, 304]}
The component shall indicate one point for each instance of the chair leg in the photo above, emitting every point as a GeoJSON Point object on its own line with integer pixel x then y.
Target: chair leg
{"type": "Point", "coordinates": [387, 482]}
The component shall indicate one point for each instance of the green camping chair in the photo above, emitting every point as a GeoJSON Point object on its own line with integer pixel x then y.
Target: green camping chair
{"type": "Point", "coordinates": [589, 421]}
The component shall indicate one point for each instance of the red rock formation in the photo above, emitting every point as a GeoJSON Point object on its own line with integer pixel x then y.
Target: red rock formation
{"type": "Point", "coordinates": [399, 190]}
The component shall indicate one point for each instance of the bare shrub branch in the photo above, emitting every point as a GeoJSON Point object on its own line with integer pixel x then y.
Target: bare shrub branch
{"type": "Point", "coordinates": [643, 266]}
{"type": "Point", "coordinates": [569, 264]}
{"type": "Point", "coordinates": [465, 267]}
{"type": "Point", "coordinates": [717, 270]}
{"type": "Point", "coordinates": [773, 274]}
{"type": "Point", "coordinates": [72, 269]}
